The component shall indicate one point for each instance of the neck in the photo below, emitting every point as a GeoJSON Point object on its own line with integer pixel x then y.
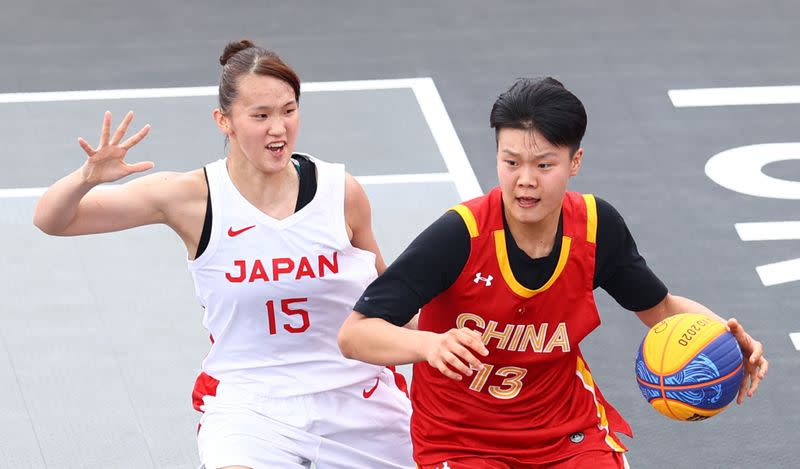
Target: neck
{"type": "Point", "coordinates": [267, 191]}
{"type": "Point", "coordinates": [535, 239]}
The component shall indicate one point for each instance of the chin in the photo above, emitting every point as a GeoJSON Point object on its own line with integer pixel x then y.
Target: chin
{"type": "Point", "coordinates": [526, 217]}
{"type": "Point", "coordinates": [277, 163]}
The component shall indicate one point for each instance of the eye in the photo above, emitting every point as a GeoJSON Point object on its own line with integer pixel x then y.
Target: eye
{"type": "Point", "coordinates": [290, 111]}
{"type": "Point", "coordinates": [261, 116]}
{"type": "Point", "coordinates": [511, 163]}
{"type": "Point", "coordinates": [545, 165]}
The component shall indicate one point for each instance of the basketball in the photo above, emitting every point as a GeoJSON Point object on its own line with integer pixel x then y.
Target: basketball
{"type": "Point", "coordinates": [689, 367]}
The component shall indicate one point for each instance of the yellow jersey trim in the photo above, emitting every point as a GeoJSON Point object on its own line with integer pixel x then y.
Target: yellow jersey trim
{"type": "Point", "coordinates": [469, 219]}
{"type": "Point", "coordinates": [591, 218]}
{"type": "Point", "coordinates": [588, 383]}
{"type": "Point", "coordinates": [505, 266]}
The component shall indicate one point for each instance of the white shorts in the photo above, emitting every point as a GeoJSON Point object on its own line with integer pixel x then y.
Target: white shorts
{"type": "Point", "coordinates": [363, 426]}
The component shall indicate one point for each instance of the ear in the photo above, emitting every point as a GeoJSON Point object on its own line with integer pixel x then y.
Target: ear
{"type": "Point", "coordinates": [575, 163]}
{"type": "Point", "coordinates": [223, 122]}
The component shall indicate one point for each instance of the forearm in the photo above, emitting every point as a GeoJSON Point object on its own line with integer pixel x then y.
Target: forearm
{"type": "Point", "coordinates": [672, 305]}
{"type": "Point", "coordinates": [379, 342]}
{"type": "Point", "coordinates": [58, 206]}
{"type": "Point", "coordinates": [680, 304]}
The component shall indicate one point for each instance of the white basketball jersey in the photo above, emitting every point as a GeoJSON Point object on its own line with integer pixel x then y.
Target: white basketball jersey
{"type": "Point", "coordinates": [276, 292]}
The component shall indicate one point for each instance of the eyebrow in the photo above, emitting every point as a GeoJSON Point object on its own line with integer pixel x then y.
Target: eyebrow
{"type": "Point", "coordinates": [264, 106]}
{"type": "Point", "coordinates": [517, 155]}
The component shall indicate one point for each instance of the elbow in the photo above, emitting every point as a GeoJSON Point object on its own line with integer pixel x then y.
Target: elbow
{"type": "Point", "coordinates": [40, 222]}
{"type": "Point", "coordinates": [345, 342]}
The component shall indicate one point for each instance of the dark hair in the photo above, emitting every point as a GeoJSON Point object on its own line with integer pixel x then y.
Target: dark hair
{"type": "Point", "coordinates": [544, 105]}
{"type": "Point", "coordinates": [243, 57]}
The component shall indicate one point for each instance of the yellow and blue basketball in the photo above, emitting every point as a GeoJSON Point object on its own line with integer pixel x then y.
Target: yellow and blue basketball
{"type": "Point", "coordinates": [689, 367]}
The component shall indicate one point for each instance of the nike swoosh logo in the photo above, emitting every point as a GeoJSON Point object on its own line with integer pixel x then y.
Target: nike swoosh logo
{"type": "Point", "coordinates": [232, 232]}
{"type": "Point", "coordinates": [366, 393]}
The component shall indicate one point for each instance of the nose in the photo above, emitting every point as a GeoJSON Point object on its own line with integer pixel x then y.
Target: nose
{"type": "Point", "coordinates": [527, 178]}
{"type": "Point", "coordinates": [276, 127]}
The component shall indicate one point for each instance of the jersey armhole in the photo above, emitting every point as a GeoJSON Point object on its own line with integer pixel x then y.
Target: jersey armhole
{"type": "Point", "coordinates": [469, 219]}
{"type": "Point", "coordinates": [205, 235]}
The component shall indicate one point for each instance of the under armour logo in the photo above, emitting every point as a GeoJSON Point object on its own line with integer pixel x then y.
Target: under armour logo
{"type": "Point", "coordinates": [445, 466]}
{"type": "Point", "coordinates": [488, 280]}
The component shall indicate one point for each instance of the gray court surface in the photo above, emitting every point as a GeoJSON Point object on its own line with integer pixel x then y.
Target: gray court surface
{"type": "Point", "coordinates": [101, 337]}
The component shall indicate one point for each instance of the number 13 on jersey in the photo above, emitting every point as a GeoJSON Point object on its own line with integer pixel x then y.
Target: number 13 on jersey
{"type": "Point", "coordinates": [508, 389]}
{"type": "Point", "coordinates": [286, 308]}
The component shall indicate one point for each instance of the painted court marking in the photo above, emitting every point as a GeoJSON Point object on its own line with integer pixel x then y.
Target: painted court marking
{"type": "Point", "coordinates": [459, 170]}
{"type": "Point", "coordinates": [768, 231]}
{"type": "Point", "coordinates": [739, 96]}
{"type": "Point", "coordinates": [778, 272]}
{"type": "Point", "coordinates": [775, 273]}
{"type": "Point", "coordinates": [795, 336]}
{"type": "Point", "coordinates": [365, 180]}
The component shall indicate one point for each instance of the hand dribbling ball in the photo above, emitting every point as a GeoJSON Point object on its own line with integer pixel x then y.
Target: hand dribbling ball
{"type": "Point", "coordinates": [689, 367]}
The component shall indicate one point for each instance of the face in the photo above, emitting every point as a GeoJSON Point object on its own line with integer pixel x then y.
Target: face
{"type": "Point", "coordinates": [262, 122]}
{"type": "Point", "coordinates": [533, 175]}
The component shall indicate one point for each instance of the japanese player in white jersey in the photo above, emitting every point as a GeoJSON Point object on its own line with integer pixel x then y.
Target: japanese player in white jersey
{"type": "Point", "coordinates": [280, 246]}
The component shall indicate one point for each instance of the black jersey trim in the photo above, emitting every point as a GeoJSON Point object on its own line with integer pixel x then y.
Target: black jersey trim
{"type": "Point", "coordinates": [307, 173]}
{"type": "Point", "coordinates": [205, 235]}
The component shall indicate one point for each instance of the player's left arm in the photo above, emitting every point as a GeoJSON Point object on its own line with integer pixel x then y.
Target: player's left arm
{"type": "Point", "coordinates": [756, 365]}
{"type": "Point", "coordinates": [358, 217]}
{"type": "Point", "coordinates": [672, 305]}
{"type": "Point", "coordinates": [624, 274]}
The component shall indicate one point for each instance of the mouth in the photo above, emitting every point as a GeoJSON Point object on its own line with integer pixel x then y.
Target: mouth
{"type": "Point", "coordinates": [528, 202]}
{"type": "Point", "coordinates": [276, 149]}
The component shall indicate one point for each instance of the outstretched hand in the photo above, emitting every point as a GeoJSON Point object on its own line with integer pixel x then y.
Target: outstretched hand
{"type": "Point", "coordinates": [107, 162]}
{"type": "Point", "coordinates": [755, 365]}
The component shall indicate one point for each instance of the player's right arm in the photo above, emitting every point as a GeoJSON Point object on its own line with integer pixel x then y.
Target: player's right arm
{"type": "Point", "coordinates": [374, 332]}
{"type": "Point", "coordinates": [70, 206]}
{"type": "Point", "coordinates": [379, 342]}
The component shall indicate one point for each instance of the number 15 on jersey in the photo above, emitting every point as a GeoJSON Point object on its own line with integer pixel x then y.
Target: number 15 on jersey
{"type": "Point", "coordinates": [288, 310]}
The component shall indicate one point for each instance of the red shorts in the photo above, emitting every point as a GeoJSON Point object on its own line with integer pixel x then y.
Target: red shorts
{"type": "Point", "coordinates": [590, 459]}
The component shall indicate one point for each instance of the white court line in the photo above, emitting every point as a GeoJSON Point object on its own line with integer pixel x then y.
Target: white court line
{"type": "Point", "coordinates": [768, 231]}
{"type": "Point", "coordinates": [197, 91]}
{"type": "Point", "coordinates": [735, 96]}
{"type": "Point", "coordinates": [446, 138]}
{"type": "Point", "coordinates": [140, 93]}
{"type": "Point", "coordinates": [795, 336]}
{"type": "Point", "coordinates": [779, 272]}
{"type": "Point", "coordinates": [405, 178]}
{"type": "Point", "coordinates": [366, 180]}
{"type": "Point", "coordinates": [22, 192]}
{"type": "Point", "coordinates": [444, 134]}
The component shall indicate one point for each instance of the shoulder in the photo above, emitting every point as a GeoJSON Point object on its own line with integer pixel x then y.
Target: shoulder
{"type": "Point", "coordinates": [356, 202]}
{"type": "Point", "coordinates": [606, 212]}
{"type": "Point", "coordinates": [453, 224]}
{"type": "Point", "coordinates": [612, 231]}
{"type": "Point", "coordinates": [169, 182]}
{"type": "Point", "coordinates": [169, 190]}
{"type": "Point", "coordinates": [605, 207]}
{"type": "Point", "coordinates": [448, 232]}
{"type": "Point", "coordinates": [354, 193]}
{"type": "Point", "coordinates": [186, 185]}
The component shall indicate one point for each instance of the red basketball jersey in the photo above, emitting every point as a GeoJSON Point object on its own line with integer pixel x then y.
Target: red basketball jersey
{"type": "Point", "coordinates": [535, 389]}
